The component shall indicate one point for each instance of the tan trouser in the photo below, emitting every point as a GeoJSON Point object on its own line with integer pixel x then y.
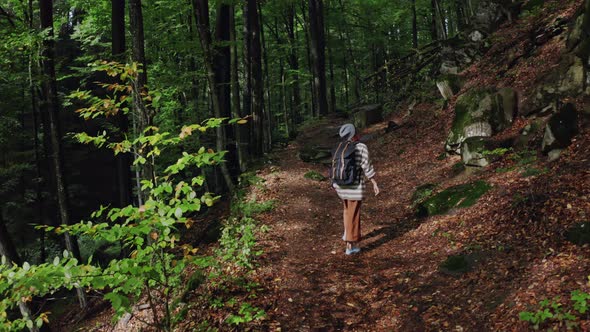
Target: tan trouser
{"type": "Point", "coordinates": [352, 220]}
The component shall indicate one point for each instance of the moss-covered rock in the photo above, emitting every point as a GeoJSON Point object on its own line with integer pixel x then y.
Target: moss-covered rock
{"type": "Point", "coordinates": [572, 82]}
{"type": "Point", "coordinates": [474, 112]}
{"type": "Point", "coordinates": [504, 119]}
{"type": "Point", "coordinates": [422, 192]}
{"type": "Point", "coordinates": [460, 196]}
{"type": "Point", "coordinates": [367, 115]}
{"type": "Point", "coordinates": [579, 234]}
{"type": "Point", "coordinates": [473, 151]}
{"type": "Point", "coordinates": [315, 154]}
{"type": "Point", "coordinates": [561, 129]}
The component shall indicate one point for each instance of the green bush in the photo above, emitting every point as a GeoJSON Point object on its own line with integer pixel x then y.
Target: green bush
{"type": "Point", "coordinates": [316, 176]}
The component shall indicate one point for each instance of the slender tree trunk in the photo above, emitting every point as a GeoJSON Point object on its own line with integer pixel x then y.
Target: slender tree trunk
{"type": "Point", "coordinates": [441, 20]}
{"type": "Point", "coordinates": [218, 74]}
{"type": "Point", "coordinates": [294, 65]}
{"type": "Point", "coordinates": [460, 11]}
{"type": "Point", "coordinates": [318, 46]}
{"type": "Point", "coordinates": [306, 31]}
{"type": "Point", "coordinates": [414, 26]}
{"type": "Point", "coordinates": [123, 160]}
{"type": "Point", "coordinates": [7, 247]}
{"type": "Point", "coordinates": [50, 106]}
{"type": "Point", "coordinates": [332, 104]}
{"type": "Point", "coordinates": [143, 117]}
{"type": "Point", "coordinates": [247, 88]}
{"type": "Point", "coordinates": [241, 131]}
{"type": "Point", "coordinates": [252, 31]}
{"type": "Point", "coordinates": [355, 64]}
{"type": "Point", "coordinates": [268, 119]}
{"type": "Point", "coordinates": [433, 25]}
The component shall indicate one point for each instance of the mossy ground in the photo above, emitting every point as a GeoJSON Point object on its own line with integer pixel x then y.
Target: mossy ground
{"type": "Point", "coordinates": [460, 196]}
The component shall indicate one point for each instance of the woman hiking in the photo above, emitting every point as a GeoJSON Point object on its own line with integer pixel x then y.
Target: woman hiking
{"type": "Point", "coordinates": [349, 182]}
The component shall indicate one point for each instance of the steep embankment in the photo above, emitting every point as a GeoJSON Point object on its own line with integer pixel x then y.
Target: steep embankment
{"type": "Point", "coordinates": [510, 247]}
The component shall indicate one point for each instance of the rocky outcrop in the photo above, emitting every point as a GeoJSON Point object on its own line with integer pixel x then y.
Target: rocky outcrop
{"type": "Point", "coordinates": [567, 80]}
{"type": "Point", "coordinates": [316, 154]}
{"type": "Point", "coordinates": [468, 46]}
{"type": "Point", "coordinates": [473, 151]}
{"type": "Point", "coordinates": [367, 115]}
{"type": "Point", "coordinates": [480, 113]}
{"type": "Point", "coordinates": [449, 85]}
{"type": "Point", "coordinates": [560, 130]}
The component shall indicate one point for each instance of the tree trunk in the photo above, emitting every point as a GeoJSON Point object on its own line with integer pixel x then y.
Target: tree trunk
{"type": "Point", "coordinates": [268, 119]}
{"type": "Point", "coordinates": [294, 65]}
{"type": "Point", "coordinates": [254, 71]}
{"type": "Point", "coordinates": [240, 131]}
{"type": "Point", "coordinates": [332, 104]}
{"type": "Point", "coordinates": [433, 24]}
{"type": "Point", "coordinates": [414, 26]}
{"type": "Point", "coordinates": [217, 73]}
{"type": "Point", "coordinates": [305, 24]}
{"type": "Point", "coordinates": [143, 117]}
{"type": "Point", "coordinates": [441, 20]}
{"type": "Point", "coordinates": [318, 46]}
{"type": "Point", "coordinates": [50, 106]}
{"type": "Point", "coordinates": [355, 64]}
{"type": "Point", "coordinates": [460, 11]}
{"type": "Point", "coordinates": [123, 160]}
{"type": "Point", "coordinates": [7, 247]}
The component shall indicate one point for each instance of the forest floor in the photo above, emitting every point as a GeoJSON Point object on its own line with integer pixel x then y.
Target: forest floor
{"type": "Point", "coordinates": [514, 235]}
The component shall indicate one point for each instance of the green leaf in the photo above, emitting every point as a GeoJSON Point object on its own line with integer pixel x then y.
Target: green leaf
{"type": "Point", "coordinates": [178, 213]}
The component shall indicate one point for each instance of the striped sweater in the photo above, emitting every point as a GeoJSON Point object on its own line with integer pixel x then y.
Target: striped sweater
{"type": "Point", "coordinates": [358, 192]}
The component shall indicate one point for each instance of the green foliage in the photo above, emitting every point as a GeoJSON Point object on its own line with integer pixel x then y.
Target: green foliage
{"type": "Point", "coordinates": [247, 313]}
{"type": "Point", "coordinates": [313, 175]}
{"type": "Point", "coordinates": [499, 152]}
{"type": "Point", "coordinates": [522, 161]}
{"type": "Point", "coordinates": [553, 311]}
{"type": "Point", "coordinates": [155, 260]}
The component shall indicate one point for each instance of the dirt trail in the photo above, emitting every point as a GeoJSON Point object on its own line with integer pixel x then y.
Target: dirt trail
{"type": "Point", "coordinates": [310, 282]}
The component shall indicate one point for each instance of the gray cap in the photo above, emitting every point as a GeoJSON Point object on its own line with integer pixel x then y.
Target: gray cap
{"type": "Point", "coordinates": [347, 131]}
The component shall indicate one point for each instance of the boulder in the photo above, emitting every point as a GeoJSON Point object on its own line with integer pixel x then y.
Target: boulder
{"type": "Point", "coordinates": [553, 155]}
{"type": "Point", "coordinates": [509, 107]}
{"type": "Point", "coordinates": [528, 133]}
{"type": "Point", "coordinates": [367, 115]}
{"type": "Point", "coordinates": [572, 82]}
{"type": "Point", "coordinates": [561, 129]}
{"type": "Point", "coordinates": [449, 85]}
{"type": "Point", "coordinates": [316, 154]}
{"type": "Point", "coordinates": [473, 152]}
{"type": "Point", "coordinates": [567, 80]}
{"type": "Point", "coordinates": [460, 196]}
{"type": "Point", "coordinates": [480, 113]}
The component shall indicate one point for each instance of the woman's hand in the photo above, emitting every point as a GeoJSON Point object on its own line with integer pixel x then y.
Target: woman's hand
{"type": "Point", "coordinates": [375, 187]}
